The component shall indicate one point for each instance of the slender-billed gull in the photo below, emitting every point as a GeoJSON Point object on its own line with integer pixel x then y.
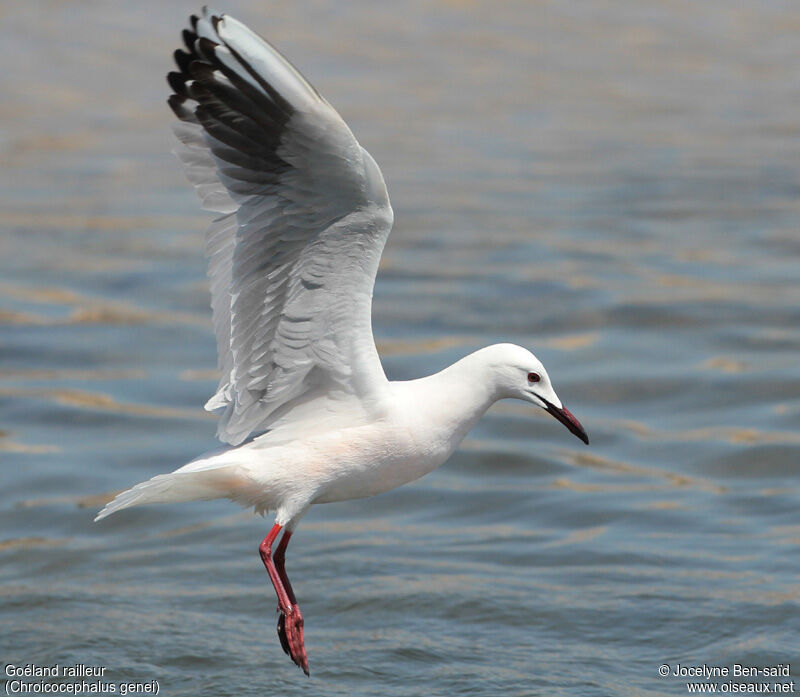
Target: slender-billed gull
{"type": "Point", "coordinates": [303, 215]}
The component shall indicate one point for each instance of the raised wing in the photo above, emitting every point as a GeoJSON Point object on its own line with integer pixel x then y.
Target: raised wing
{"type": "Point", "coordinates": [304, 215]}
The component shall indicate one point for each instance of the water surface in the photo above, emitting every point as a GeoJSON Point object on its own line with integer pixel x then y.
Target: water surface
{"type": "Point", "coordinates": [615, 187]}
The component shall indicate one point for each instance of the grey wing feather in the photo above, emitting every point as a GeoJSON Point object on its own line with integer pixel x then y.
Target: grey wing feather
{"type": "Point", "coordinates": [304, 215]}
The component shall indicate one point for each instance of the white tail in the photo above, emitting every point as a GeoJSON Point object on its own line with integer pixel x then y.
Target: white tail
{"type": "Point", "coordinates": [197, 481]}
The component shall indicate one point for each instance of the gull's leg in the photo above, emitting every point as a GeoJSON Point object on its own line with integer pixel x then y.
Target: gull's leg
{"type": "Point", "coordinates": [296, 619]}
{"type": "Point", "coordinates": [280, 557]}
{"type": "Point", "coordinates": [290, 622]}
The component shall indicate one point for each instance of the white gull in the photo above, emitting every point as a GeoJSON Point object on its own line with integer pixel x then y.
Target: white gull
{"type": "Point", "coordinates": [304, 403]}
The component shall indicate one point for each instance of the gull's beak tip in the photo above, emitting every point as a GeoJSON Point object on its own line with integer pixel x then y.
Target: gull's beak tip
{"type": "Point", "coordinates": [565, 416]}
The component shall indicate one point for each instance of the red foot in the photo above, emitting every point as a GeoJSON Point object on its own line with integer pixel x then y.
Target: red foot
{"type": "Point", "coordinates": [290, 633]}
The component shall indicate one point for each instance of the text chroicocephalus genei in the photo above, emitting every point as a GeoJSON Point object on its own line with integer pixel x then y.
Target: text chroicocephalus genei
{"type": "Point", "coordinates": [304, 403]}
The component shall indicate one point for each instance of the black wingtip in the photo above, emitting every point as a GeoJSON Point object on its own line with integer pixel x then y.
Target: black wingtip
{"type": "Point", "coordinates": [178, 83]}
{"type": "Point", "coordinates": [205, 47]}
{"type": "Point", "coordinates": [182, 59]}
{"type": "Point", "coordinates": [176, 103]}
{"type": "Point", "coordinates": [200, 70]}
{"type": "Point", "coordinates": [189, 37]}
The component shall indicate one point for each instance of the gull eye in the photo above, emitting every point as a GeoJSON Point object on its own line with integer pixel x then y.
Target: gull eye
{"type": "Point", "coordinates": [534, 377]}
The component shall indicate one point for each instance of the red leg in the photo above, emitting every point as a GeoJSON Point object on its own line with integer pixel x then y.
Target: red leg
{"type": "Point", "coordinates": [279, 557]}
{"type": "Point", "coordinates": [290, 622]}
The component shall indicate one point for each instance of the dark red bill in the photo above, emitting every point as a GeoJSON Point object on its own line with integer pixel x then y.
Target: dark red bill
{"type": "Point", "coordinates": [565, 416]}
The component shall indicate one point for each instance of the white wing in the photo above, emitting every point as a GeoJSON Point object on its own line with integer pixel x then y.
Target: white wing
{"type": "Point", "coordinates": [304, 217]}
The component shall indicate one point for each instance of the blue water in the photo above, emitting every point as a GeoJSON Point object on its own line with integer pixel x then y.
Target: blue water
{"type": "Point", "coordinates": [615, 187]}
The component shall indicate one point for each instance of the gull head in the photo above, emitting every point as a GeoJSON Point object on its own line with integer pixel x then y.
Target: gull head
{"type": "Point", "coordinates": [518, 374]}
